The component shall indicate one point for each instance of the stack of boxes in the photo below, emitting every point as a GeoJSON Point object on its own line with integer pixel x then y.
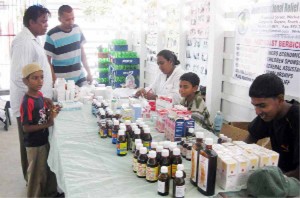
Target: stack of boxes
{"type": "Point", "coordinates": [103, 65]}
{"type": "Point", "coordinates": [238, 160]}
{"type": "Point", "coordinates": [123, 62]}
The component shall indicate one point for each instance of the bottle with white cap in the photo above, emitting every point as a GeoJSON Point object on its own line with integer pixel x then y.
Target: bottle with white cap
{"type": "Point", "coordinates": [159, 149]}
{"type": "Point", "coordinates": [178, 185]}
{"type": "Point", "coordinates": [166, 144]}
{"type": "Point", "coordinates": [136, 135]}
{"type": "Point", "coordinates": [175, 161]}
{"type": "Point", "coordinates": [154, 145]}
{"type": "Point", "coordinates": [115, 130]}
{"type": "Point", "coordinates": [147, 139]}
{"type": "Point", "coordinates": [128, 133]}
{"type": "Point", "coordinates": [197, 147]}
{"type": "Point", "coordinates": [121, 143]}
{"type": "Point", "coordinates": [190, 134]}
{"type": "Point", "coordinates": [189, 151]}
{"type": "Point", "coordinates": [181, 168]}
{"type": "Point", "coordinates": [165, 160]}
{"type": "Point", "coordinates": [142, 163]}
{"type": "Point", "coordinates": [172, 146]}
{"type": "Point", "coordinates": [152, 167]}
{"type": "Point", "coordinates": [163, 183]}
{"type": "Point", "coordinates": [208, 167]}
{"type": "Point", "coordinates": [136, 155]}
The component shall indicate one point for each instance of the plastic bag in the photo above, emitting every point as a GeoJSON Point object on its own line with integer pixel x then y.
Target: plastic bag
{"type": "Point", "coordinates": [130, 81]}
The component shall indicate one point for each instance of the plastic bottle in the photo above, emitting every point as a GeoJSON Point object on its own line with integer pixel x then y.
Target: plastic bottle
{"type": "Point", "coordinates": [147, 139]}
{"type": "Point", "coordinates": [135, 157]}
{"type": "Point", "coordinates": [154, 145]}
{"type": "Point", "coordinates": [152, 167]}
{"type": "Point", "coordinates": [218, 122]}
{"type": "Point", "coordinates": [165, 160]}
{"type": "Point", "coordinates": [121, 143]}
{"type": "Point", "coordinates": [136, 135]}
{"type": "Point", "coordinates": [178, 185]}
{"type": "Point", "coordinates": [163, 184]}
{"type": "Point", "coordinates": [189, 152]}
{"type": "Point", "coordinates": [142, 163]}
{"type": "Point", "coordinates": [181, 168]}
{"type": "Point", "coordinates": [197, 147]}
{"type": "Point", "coordinates": [207, 169]}
{"type": "Point", "coordinates": [175, 161]}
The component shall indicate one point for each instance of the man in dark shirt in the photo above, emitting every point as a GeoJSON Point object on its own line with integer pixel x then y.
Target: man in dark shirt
{"type": "Point", "coordinates": [277, 119]}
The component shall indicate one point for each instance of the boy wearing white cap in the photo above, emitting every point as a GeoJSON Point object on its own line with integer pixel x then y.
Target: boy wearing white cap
{"type": "Point", "coordinates": [35, 120]}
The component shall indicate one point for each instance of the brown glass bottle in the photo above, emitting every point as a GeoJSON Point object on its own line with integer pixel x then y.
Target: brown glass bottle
{"type": "Point", "coordinates": [122, 143]}
{"type": "Point", "coordinates": [181, 168]}
{"type": "Point", "coordinates": [188, 155]}
{"type": "Point", "coordinates": [128, 133]}
{"type": "Point", "coordinates": [197, 147]}
{"type": "Point", "coordinates": [175, 161]}
{"type": "Point", "coordinates": [115, 130]}
{"type": "Point", "coordinates": [152, 168]}
{"type": "Point", "coordinates": [178, 185]}
{"type": "Point", "coordinates": [184, 149]}
{"type": "Point", "coordinates": [163, 183]}
{"type": "Point", "coordinates": [208, 167]}
{"type": "Point", "coordinates": [136, 135]}
{"type": "Point", "coordinates": [147, 139]}
{"type": "Point", "coordinates": [142, 163]}
{"type": "Point", "coordinates": [135, 157]}
{"type": "Point", "coordinates": [165, 161]}
{"type": "Point", "coordinates": [158, 156]}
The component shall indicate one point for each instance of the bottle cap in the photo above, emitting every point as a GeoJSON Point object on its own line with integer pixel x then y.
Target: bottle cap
{"type": "Point", "coordinates": [137, 122]}
{"type": "Point", "coordinates": [152, 154]}
{"type": "Point", "coordinates": [116, 122]}
{"type": "Point", "coordinates": [133, 124]}
{"type": "Point", "coordinates": [209, 141]}
{"type": "Point", "coordinates": [166, 144]}
{"type": "Point", "coordinates": [146, 130]}
{"type": "Point", "coordinates": [145, 126]}
{"type": "Point", "coordinates": [180, 167]}
{"type": "Point", "coordinates": [229, 140]}
{"type": "Point", "coordinates": [136, 141]}
{"type": "Point", "coordinates": [176, 151]}
{"type": "Point", "coordinates": [164, 169]}
{"type": "Point", "coordinates": [199, 135]}
{"type": "Point", "coordinates": [172, 147]}
{"type": "Point", "coordinates": [179, 173]}
{"type": "Point", "coordinates": [121, 132]}
{"type": "Point", "coordinates": [133, 127]}
{"type": "Point", "coordinates": [191, 130]}
{"type": "Point", "coordinates": [143, 150]}
{"type": "Point", "coordinates": [154, 144]}
{"type": "Point", "coordinates": [161, 143]}
{"type": "Point", "coordinates": [137, 131]}
{"type": "Point", "coordinates": [123, 127]}
{"type": "Point", "coordinates": [221, 135]}
{"type": "Point", "coordinates": [138, 146]}
{"type": "Point", "coordinates": [122, 124]}
{"type": "Point", "coordinates": [141, 123]}
{"type": "Point", "coordinates": [127, 122]}
{"type": "Point", "coordinates": [165, 153]}
{"type": "Point", "coordinates": [159, 148]}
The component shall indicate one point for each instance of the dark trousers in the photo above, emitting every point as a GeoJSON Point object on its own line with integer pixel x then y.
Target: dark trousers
{"type": "Point", "coordinates": [41, 180]}
{"type": "Point", "coordinates": [24, 160]}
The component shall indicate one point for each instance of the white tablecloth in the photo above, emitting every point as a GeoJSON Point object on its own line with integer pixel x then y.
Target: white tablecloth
{"type": "Point", "coordinates": [87, 166]}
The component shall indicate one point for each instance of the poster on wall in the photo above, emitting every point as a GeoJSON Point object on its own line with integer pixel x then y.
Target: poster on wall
{"type": "Point", "coordinates": [268, 41]}
{"type": "Point", "coordinates": [197, 38]}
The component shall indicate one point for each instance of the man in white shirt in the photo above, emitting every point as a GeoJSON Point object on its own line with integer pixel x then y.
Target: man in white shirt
{"type": "Point", "coordinates": [26, 48]}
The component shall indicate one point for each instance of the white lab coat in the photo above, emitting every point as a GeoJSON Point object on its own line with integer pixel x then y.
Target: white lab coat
{"type": "Point", "coordinates": [168, 87]}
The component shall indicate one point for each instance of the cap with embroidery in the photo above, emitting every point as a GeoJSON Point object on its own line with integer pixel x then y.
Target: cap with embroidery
{"type": "Point", "coordinates": [269, 181]}
{"type": "Point", "coordinates": [30, 68]}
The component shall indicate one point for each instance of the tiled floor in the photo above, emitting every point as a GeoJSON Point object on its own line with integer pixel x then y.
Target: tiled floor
{"type": "Point", "coordinates": [12, 183]}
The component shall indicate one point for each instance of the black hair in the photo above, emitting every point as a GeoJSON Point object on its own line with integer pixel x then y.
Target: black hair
{"type": "Point", "coordinates": [33, 13]}
{"type": "Point", "coordinates": [191, 77]}
{"type": "Point", "coordinates": [170, 56]}
{"type": "Point", "coordinates": [64, 8]}
{"type": "Point", "coordinates": [266, 86]}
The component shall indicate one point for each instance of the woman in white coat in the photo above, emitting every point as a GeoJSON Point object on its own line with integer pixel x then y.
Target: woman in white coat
{"type": "Point", "coordinates": [167, 81]}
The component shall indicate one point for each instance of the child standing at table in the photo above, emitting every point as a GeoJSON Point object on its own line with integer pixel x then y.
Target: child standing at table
{"type": "Point", "coordinates": [192, 99]}
{"type": "Point", "coordinates": [35, 120]}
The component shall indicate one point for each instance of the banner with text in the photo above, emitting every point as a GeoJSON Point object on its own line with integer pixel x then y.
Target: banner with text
{"type": "Point", "coordinates": [268, 41]}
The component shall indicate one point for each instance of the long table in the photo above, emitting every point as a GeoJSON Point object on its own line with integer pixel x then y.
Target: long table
{"type": "Point", "coordinates": [88, 166]}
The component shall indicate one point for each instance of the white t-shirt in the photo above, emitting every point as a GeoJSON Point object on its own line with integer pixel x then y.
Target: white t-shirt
{"type": "Point", "coordinates": [168, 86]}
{"type": "Point", "coordinates": [25, 49]}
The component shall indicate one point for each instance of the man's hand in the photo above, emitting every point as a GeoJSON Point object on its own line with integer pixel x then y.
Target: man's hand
{"type": "Point", "coordinates": [140, 92]}
{"type": "Point", "coordinates": [89, 78]}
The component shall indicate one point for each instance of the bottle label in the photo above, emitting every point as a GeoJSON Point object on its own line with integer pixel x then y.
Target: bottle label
{"type": "Point", "coordinates": [122, 148]}
{"type": "Point", "coordinates": [169, 171]}
{"type": "Point", "coordinates": [109, 132]}
{"type": "Point", "coordinates": [134, 165]}
{"type": "Point", "coordinates": [179, 191]}
{"type": "Point", "coordinates": [188, 154]}
{"type": "Point", "coordinates": [103, 132]}
{"type": "Point", "coordinates": [203, 172]}
{"type": "Point", "coordinates": [174, 169]}
{"type": "Point", "coordinates": [161, 186]}
{"type": "Point", "coordinates": [114, 136]}
{"type": "Point", "coordinates": [194, 165]}
{"type": "Point", "coordinates": [151, 173]}
{"type": "Point", "coordinates": [147, 145]}
{"type": "Point", "coordinates": [141, 170]}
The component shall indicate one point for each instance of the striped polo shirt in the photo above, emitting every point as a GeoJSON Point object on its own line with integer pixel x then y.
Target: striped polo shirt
{"type": "Point", "coordinates": [65, 50]}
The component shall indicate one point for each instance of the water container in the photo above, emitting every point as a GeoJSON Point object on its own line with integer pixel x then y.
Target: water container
{"type": "Point", "coordinates": [218, 122]}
